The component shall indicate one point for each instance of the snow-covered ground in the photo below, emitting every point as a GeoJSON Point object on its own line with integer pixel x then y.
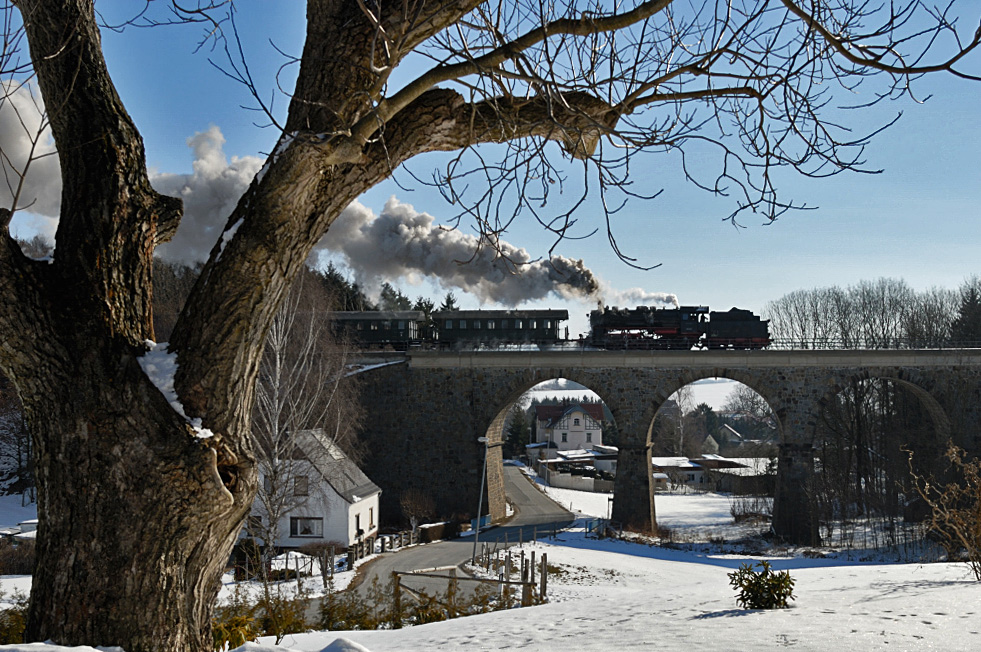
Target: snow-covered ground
{"type": "Point", "coordinates": [620, 595]}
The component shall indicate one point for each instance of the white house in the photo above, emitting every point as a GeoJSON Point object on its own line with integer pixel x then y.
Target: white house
{"type": "Point", "coordinates": [576, 426]}
{"type": "Point", "coordinates": [331, 500]}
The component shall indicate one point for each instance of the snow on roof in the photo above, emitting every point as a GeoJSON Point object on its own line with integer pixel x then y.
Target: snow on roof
{"type": "Point", "coordinates": [603, 449]}
{"type": "Point", "coordinates": [673, 462]}
{"type": "Point", "coordinates": [578, 454]}
{"type": "Point", "coordinates": [337, 469]}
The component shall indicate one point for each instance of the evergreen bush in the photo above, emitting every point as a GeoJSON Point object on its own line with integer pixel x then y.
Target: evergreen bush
{"type": "Point", "coordinates": [765, 589]}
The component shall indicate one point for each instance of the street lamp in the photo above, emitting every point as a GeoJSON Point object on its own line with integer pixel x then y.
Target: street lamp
{"type": "Point", "coordinates": [480, 502]}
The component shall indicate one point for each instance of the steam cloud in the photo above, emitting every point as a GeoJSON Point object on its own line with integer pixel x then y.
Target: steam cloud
{"type": "Point", "coordinates": [209, 193]}
{"type": "Point", "coordinates": [402, 242]}
{"type": "Point", "coordinates": [637, 297]}
{"type": "Point", "coordinates": [23, 134]}
{"type": "Point", "coordinates": [398, 243]}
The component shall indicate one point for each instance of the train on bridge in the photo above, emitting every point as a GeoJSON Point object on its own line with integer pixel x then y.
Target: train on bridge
{"type": "Point", "coordinates": [641, 328]}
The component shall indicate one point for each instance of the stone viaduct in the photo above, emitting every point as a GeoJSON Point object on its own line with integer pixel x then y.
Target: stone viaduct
{"type": "Point", "coordinates": [426, 410]}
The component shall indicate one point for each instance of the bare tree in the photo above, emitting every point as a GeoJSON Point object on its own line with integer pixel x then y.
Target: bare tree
{"type": "Point", "coordinates": [303, 385]}
{"type": "Point", "coordinates": [157, 479]}
{"type": "Point", "coordinates": [885, 313]}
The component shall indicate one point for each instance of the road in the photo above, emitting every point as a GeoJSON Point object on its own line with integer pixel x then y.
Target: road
{"type": "Point", "coordinates": [534, 512]}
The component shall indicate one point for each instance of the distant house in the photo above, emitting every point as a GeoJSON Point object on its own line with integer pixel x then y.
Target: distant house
{"type": "Point", "coordinates": [716, 473]}
{"type": "Point", "coordinates": [576, 426]}
{"type": "Point", "coordinates": [333, 500]}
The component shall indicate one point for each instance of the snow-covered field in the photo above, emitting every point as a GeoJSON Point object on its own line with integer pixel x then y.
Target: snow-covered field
{"type": "Point", "coordinates": [619, 595]}
{"type": "Point", "coordinates": [632, 596]}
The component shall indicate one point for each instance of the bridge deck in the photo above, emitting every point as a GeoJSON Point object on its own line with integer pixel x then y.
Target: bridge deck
{"type": "Point", "coordinates": [693, 359]}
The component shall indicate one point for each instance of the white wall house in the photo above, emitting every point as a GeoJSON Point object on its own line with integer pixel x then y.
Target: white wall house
{"type": "Point", "coordinates": [329, 498]}
{"type": "Point", "coordinates": [576, 426]}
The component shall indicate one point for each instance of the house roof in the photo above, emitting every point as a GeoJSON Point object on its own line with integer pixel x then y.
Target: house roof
{"type": "Point", "coordinates": [337, 469]}
{"type": "Point", "coordinates": [552, 413]}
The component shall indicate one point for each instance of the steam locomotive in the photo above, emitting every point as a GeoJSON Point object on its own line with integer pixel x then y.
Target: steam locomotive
{"type": "Point", "coordinates": [685, 327]}
{"type": "Point", "coordinates": [642, 328]}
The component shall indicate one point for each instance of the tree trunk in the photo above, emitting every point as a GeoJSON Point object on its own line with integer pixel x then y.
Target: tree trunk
{"type": "Point", "coordinates": [135, 559]}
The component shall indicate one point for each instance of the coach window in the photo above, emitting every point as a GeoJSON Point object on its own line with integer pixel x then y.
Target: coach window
{"type": "Point", "coordinates": [533, 324]}
{"type": "Point", "coordinates": [519, 324]}
{"type": "Point", "coordinates": [463, 324]}
{"type": "Point", "coordinates": [448, 324]}
{"type": "Point", "coordinates": [491, 324]}
{"type": "Point", "coordinates": [476, 324]}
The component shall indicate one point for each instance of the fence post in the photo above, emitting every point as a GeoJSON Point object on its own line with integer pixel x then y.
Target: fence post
{"type": "Point", "coordinates": [525, 585]}
{"type": "Point", "coordinates": [396, 600]}
{"type": "Point", "coordinates": [543, 592]}
{"type": "Point", "coordinates": [531, 568]}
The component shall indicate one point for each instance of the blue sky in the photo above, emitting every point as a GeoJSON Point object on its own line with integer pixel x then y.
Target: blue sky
{"type": "Point", "coordinates": [917, 220]}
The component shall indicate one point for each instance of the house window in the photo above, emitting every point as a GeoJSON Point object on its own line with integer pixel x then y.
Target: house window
{"type": "Point", "coordinates": [589, 436]}
{"type": "Point", "coordinates": [449, 324]}
{"type": "Point", "coordinates": [575, 422]}
{"type": "Point", "coordinates": [476, 324]}
{"type": "Point", "coordinates": [267, 485]}
{"type": "Point", "coordinates": [565, 436]}
{"type": "Point", "coordinates": [255, 523]}
{"type": "Point", "coordinates": [358, 532]}
{"type": "Point", "coordinates": [519, 324]}
{"type": "Point", "coordinates": [491, 324]}
{"type": "Point", "coordinates": [301, 486]}
{"type": "Point", "coordinates": [371, 518]}
{"type": "Point", "coordinates": [463, 324]}
{"type": "Point", "coordinates": [532, 324]}
{"type": "Point", "coordinates": [374, 325]}
{"type": "Point", "coordinates": [306, 527]}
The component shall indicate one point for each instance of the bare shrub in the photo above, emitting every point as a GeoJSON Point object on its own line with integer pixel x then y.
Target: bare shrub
{"type": "Point", "coordinates": [16, 559]}
{"type": "Point", "coordinates": [955, 507]}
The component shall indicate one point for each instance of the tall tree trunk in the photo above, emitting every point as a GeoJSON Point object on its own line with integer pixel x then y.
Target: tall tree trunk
{"type": "Point", "coordinates": [153, 528]}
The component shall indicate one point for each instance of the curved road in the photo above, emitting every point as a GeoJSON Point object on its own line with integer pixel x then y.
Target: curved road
{"type": "Point", "coordinates": [534, 511]}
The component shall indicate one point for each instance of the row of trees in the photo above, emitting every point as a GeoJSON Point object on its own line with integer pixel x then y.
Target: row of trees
{"type": "Point", "coordinates": [885, 313]}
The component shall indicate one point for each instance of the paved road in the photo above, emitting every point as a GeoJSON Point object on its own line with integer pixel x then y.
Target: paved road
{"type": "Point", "coordinates": [534, 512]}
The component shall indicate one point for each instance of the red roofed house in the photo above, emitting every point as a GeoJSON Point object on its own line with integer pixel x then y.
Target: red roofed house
{"type": "Point", "coordinates": [575, 426]}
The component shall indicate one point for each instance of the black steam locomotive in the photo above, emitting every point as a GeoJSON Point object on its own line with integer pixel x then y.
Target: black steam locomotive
{"type": "Point", "coordinates": [642, 328]}
{"type": "Point", "coordinates": [685, 327]}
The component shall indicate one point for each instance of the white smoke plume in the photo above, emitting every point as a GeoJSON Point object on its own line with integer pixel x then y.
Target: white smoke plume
{"type": "Point", "coordinates": [210, 193]}
{"type": "Point", "coordinates": [404, 243]}
{"type": "Point", "coordinates": [25, 137]}
{"type": "Point", "coordinates": [636, 297]}
{"type": "Point", "coordinates": [399, 243]}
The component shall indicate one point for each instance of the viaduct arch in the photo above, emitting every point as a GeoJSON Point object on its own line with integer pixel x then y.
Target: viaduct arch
{"type": "Point", "coordinates": [426, 410]}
